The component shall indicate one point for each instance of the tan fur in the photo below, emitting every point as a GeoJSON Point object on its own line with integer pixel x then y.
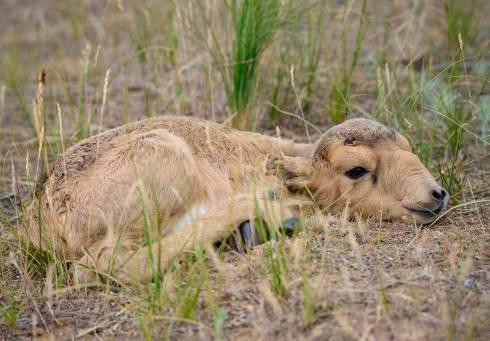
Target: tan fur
{"type": "Point", "coordinates": [105, 196]}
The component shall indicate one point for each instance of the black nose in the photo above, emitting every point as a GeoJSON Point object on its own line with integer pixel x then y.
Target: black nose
{"type": "Point", "coordinates": [439, 195]}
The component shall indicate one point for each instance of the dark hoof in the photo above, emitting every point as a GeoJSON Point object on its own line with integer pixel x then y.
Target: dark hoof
{"type": "Point", "coordinates": [244, 238]}
{"type": "Point", "coordinates": [290, 226]}
{"type": "Point", "coordinates": [248, 232]}
{"type": "Point", "coordinates": [272, 195]}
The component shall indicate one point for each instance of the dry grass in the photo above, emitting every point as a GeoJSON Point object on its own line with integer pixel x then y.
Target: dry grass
{"type": "Point", "coordinates": [401, 62]}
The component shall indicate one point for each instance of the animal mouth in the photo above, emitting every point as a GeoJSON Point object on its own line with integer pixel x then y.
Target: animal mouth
{"type": "Point", "coordinates": [425, 212]}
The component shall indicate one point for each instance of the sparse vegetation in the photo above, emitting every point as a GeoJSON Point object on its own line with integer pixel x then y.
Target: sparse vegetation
{"type": "Point", "coordinates": [73, 69]}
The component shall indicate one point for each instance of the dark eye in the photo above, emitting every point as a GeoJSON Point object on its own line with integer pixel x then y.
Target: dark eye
{"type": "Point", "coordinates": [356, 172]}
{"type": "Point", "coordinates": [349, 141]}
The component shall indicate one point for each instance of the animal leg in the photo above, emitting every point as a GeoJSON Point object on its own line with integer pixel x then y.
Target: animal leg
{"type": "Point", "coordinates": [218, 223]}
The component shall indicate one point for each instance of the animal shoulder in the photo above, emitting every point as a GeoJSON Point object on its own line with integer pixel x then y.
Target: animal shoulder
{"type": "Point", "coordinates": [214, 142]}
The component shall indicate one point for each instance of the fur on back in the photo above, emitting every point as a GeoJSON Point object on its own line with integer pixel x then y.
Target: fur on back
{"type": "Point", "coordinates": [187, 160]}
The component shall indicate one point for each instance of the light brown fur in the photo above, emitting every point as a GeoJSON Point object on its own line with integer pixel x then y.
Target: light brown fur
{"type": "Point", "coordinates": [180, 182]}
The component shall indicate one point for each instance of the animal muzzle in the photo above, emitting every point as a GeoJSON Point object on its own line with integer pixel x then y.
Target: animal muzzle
{"type": "Point", "coordinates": [427, 211]}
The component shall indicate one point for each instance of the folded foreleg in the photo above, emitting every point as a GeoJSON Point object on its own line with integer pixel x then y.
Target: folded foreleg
{"type": "Point", "coordinates": [218, 223]}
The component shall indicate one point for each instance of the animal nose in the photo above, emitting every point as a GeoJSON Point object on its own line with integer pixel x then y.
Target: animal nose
{"type": "Point", "coordinates": [439, 195]}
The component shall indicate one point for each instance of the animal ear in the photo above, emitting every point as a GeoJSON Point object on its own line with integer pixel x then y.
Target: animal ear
{"type": "Point", "coordinates": [294, 171]}
{"type": "Point", "coordinates": [402, 142]}
{"type": "Point", "coordinates": [320, 156]}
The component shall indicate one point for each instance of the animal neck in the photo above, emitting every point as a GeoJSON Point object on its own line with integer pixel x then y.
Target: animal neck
{"type": "Point", "coordinates": [305, 150]}
{"type": "Point", "coordinates": [274, 145]}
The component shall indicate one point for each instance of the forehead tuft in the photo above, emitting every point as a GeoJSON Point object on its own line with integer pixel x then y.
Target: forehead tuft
{"type": "Point", "coordinates": [358, 129]}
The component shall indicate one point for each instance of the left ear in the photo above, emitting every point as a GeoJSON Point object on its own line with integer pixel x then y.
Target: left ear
{"type": "Point", "coordinates": [320, 155]}
{"type": "Point", "coordinates": [402, 142]}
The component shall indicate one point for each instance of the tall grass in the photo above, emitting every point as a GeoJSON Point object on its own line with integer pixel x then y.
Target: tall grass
{"type": "Point", "coordinates": [254, 27]}
{"type": "Point", "coordinates": [461, 20]}
{"type": "Point", "coordinates": [300, 49]}
{"type": "Point", "coordinates": [340, 95]}
{"type": "Point", "coordinates": [255, 23]}
{"type": "Point", "coordinates": [15, 80]}
{"type": "Point", "coordinates": [154, 38]}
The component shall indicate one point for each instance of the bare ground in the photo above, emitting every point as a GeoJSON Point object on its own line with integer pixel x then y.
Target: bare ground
{"type": "Point", "coordinates": [389, 282]}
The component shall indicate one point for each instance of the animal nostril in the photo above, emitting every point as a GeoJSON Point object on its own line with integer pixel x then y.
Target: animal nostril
{"type": "Point", "coordinates": [438, 195]}
{"type": "Point", "coordinates": [443, 193]}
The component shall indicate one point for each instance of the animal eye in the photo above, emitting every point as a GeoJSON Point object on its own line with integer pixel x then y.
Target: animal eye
{"type": "Point", "coordinates": [349, 141]}
{"type": "Point", "coordinates": [356, 172]}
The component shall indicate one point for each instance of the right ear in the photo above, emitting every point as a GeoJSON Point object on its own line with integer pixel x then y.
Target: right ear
{"type": "Point", "coordinates": [402, 142]}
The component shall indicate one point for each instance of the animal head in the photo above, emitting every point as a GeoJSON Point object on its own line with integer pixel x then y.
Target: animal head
{"type": "Point", "coordinates": [371, 169]}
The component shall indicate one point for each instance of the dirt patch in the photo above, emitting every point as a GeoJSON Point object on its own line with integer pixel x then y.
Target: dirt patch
{"type": "Point", "coordinates": [81, 316]}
